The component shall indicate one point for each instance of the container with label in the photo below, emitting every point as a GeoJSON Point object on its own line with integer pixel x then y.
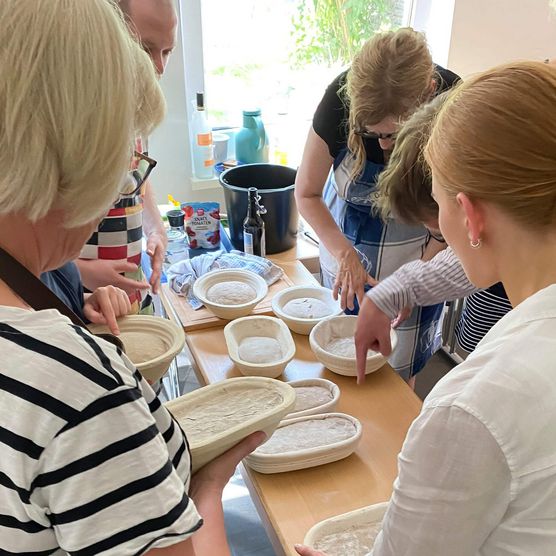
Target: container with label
{"type": "Point", "coordinates": [202, 145]}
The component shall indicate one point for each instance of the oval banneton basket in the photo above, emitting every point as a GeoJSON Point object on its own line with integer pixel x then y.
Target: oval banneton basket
{"type": "Point", "coordinates": [239, 329]}
{"type": "Point", "coordinates": [352, 533]}
{"type": "Point", "coordinates": [151, 343]}
{"type": "Point", "coordinates": [298, 324]}
{"type": "Point", "coordinates": [218, 416]}
{"type": "Point", "coordinates": [313, 396]}
{"type": "Point", "coordinates": [307, 442]}
{"type": "Point", "coordinates": [218, 276]}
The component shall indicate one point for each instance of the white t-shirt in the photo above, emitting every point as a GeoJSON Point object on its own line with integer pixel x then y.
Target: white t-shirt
{"type": "Point", "coordinates": [90, 461]}
{"type": "Point", "coordinates": [477, 471]}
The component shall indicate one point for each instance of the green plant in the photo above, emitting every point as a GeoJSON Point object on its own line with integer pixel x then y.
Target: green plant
{"type": "Point", "coordinates": [332, 31]}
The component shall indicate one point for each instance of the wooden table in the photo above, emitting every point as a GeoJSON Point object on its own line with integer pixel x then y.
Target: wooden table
{"type": "Point", "coordinates": [290, 503]}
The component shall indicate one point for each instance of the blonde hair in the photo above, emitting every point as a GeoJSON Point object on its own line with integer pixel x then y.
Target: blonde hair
{"type": "Point", "coordinates": [404, 187]}
{"type": "Point", "coordinates": [391, 76]}
{"type": "Point", "coordinates": [495, 140]}
{"type": "Point", "coordinates": [76, 89]}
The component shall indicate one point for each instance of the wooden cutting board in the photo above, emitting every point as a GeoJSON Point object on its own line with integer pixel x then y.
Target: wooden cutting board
{"type": "Point", "coordinates": [203, 318]}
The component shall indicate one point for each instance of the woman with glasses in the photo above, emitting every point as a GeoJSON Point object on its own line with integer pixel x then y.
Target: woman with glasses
{"type": "Point", "coordinates": [353, 133]}
{"type": "Point", "coordinates": [477, 470]}
{"type": "Point", "coordinates": [404, 190]}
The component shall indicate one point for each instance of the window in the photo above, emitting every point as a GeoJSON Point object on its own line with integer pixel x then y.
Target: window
{"type": "Point", "coordinates": [279, 55]}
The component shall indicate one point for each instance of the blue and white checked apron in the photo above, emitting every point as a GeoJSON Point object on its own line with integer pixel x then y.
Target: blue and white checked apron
{"type": "Point", "coordinates": [384, 247]}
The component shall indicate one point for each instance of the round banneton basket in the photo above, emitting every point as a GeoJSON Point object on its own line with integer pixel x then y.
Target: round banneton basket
{"type": "Point", "coordinates": [218, 416]}
{"type": "Point", "coordinates": [229, 312]}
{"type": "Point", "coordinates": [304, 442]}
{"type": "Point", "coordinates": [304, 325]}
{"type": "Point", "coordinates": [343, 327]}
{"type": "Point", "coordinates": [352, 533]}
{"type": "Point", "coordinates": [313, 396]}
{"type": "Point", "coordinates": [151, 343]}
{"type": "Point", "coordinates": [239, 329]}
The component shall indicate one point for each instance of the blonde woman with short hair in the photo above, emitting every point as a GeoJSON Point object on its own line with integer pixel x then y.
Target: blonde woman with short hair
{"type": "Point", "coordinates": [352, 135]}
{"type": "Point", "coordinates": [90, 461]}
{"type": "Point", "coordinates": [477, 471]}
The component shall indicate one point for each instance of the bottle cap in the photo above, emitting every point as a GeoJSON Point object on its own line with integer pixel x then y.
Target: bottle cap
{"type": "Point", "coordinates": [200, 101]}
{"type": "Point", "coordinates": [175, 218]}
{"type": "Point", "coordinates": [252, 112]}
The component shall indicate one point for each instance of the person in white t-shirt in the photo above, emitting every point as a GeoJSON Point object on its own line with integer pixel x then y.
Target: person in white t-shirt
{"type": "Point", "coordinates": [477, 471]}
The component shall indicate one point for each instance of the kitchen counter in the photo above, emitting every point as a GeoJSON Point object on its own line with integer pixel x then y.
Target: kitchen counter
{"type": "Point", "coordinates": [291, 503]}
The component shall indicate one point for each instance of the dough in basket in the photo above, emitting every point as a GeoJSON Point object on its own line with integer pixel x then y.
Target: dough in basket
{"type": "Point", "coordinates": [260, 349]}
{"type": "Point", "coordinates": [231, 293]}
{"type": "Point", "coordinates": [306, 308]}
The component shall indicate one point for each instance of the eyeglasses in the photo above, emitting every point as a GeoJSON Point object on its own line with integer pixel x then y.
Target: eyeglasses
{"type": "Point", "coordinates": [142, 166]}
{"type": "Point", "coordinates": [364, 134]}
{"type": "Point", "coordinates": [437, 236]}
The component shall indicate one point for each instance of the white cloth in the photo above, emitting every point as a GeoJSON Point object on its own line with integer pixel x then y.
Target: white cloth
{"type": "Point", "coordinates": [477, 471]}
{"type": "Point", "coordinates": [182, 275]}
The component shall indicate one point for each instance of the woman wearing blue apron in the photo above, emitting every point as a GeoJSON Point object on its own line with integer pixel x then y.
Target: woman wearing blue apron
{"type": "Point", "coordinates": [353, 131]}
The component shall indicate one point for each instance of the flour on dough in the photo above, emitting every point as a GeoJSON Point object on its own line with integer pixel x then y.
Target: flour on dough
{"type": "Point", "coordinates": [357, 540]}
{"type": "Point", "coordinates": [310, 433]}
{"type": "Point", "coordinates": [307, 397]}
{"type": "Point", "coordinates": [345, 347]}
{"type": "Point", "coordinates": [140, 347]}
{"type": "Point", "coordinates": [260, 349]}
{"type": "Point", "coordinates": [306, 308]}
{"type": "Point", "coordinates": [231, 293]}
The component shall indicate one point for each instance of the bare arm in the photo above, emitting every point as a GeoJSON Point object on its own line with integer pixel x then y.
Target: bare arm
{"type": "Point", "coordinates": [155, 234]}
{"type": "Point", "coordinates": [309, 184]}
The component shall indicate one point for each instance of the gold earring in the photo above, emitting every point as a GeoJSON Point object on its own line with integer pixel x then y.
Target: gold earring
{"type": "Point", "coordinates": [475, 244]}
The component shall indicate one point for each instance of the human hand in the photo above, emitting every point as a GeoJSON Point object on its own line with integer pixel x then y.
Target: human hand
{"type": "Point", "coordinates": [214, 476]}
{"type": "Point", "coordinates": [96, 273]}
{"type": "Point", "coordinates": [372, 331]}
{"type": "Point", "coordinates": [156, 248]}
{"type": "Point", "coordinates": [307, 550]}
{"type": "Point", "coordinates": [401, 316]}
{"type": "Point", "coordinates": [105, 305]}
{"type": "Point", "coordinates": [351, 279]}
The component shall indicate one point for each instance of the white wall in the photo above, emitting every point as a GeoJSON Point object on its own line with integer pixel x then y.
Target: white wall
{"type": "Point", "coordinates": [490, 32]}
{"type": "Point", "coordinates": [170, 143]}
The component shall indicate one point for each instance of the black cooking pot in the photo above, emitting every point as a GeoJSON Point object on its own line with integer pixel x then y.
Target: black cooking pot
{"type": "Point", "coordinates": [276, 188]}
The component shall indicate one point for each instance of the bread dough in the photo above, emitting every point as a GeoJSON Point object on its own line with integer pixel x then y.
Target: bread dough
{"type": "Point", "coordinates": [306, 308]}
{"type": "Point", "coordinates": [231, 293]}
{"type": "Point", "coordinates": [224, 411]}
{"type": "Point", "coordinates": [310, 433]}
{"type": "Point", "coordinates": [141, 347]}
{"type": "Point", "coordinates": [260, 349]}
{"type": "Point", "coordinates": [356, 540]}
{"type": "Point", "coordinates": [345, 347]}
{"type": "Point", "coordinates": [307, 397]}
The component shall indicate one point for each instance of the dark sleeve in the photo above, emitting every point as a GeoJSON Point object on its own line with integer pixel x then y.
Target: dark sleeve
{"type": "Point", "coordinates": [330, 121]}
{"type": "Point", "coordinates": [445, 79]}
{"type": "Point", "coordinates": [65, 282]}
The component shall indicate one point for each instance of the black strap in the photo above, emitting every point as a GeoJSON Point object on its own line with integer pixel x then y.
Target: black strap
{"type": "Point", "coordinates": [29, 288]}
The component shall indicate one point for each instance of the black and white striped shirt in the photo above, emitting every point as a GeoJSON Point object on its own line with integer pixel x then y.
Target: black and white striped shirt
{"type": "Point", "coordinates": [90, 461]}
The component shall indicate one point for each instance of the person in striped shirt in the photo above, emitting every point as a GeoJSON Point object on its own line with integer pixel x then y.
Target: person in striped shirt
{"type": "Point", "coordinates": [404, 190]}
{"type": "Point", "coordinates": [90, 461]}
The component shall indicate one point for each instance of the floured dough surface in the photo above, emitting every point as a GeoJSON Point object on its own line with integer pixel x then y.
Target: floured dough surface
{"type": "Point", "coordinates": [355, 541]}
{"type": "Point", "coordinates": [345, 347]}
{"type": "Point", "coordinates": [307, 397]}
{"type": "Point", "coordinates": [311, 433]}
{"type": "Point", "coordinates": [231, 293]}
{"type": "Point", "coordinates": [260, 349]}
{"type": "Point", "coordinates": [141, 347]}
{"type": "Point", "coordinates": [306, 308]}
{"type": "Point", "coordinates": [225, 410]}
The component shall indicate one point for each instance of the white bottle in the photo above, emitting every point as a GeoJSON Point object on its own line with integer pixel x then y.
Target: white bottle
{"type": "Point", "coordinates": [202, 146]}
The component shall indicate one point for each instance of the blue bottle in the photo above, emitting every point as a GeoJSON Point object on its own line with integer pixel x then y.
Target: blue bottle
{"type": "Point", "coordinates": [251, 139]}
